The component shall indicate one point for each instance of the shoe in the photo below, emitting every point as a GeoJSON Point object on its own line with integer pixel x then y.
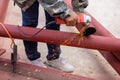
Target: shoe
{"type": "Point", "coordinates": [38, 63]}
{"type": "Point", "coordinates": [60, 64]}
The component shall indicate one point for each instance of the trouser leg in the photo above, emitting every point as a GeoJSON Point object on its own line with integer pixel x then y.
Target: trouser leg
{"type": "Point", "coordinates": [30, 18]}
{"type": "Point", "coordinates": [53, 49]}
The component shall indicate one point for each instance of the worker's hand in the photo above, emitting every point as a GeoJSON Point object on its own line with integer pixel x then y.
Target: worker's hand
{"type": "Point", "coordinates": [72, 20]}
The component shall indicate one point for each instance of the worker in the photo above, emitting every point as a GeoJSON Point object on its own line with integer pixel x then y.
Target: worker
{"type": "Point", "coordinates": [52, 8]}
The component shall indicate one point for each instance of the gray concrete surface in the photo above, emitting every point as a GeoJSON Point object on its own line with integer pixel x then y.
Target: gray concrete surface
{"type": "Point", "coordinates": [87, 62]}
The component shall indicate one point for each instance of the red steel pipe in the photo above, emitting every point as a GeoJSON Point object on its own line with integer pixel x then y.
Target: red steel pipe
{"type": "Point", "coordinates": [3, 9]}
{"type": "Point", "coordinates": [65, 38]}
{"type": "Point", "coordinates": [112, 58]}
{"type": "Point", "coordinates": [100, 30]}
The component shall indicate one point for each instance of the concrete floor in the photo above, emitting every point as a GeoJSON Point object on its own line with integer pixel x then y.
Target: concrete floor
{"type": "Point", "coordinates": [87, 62]}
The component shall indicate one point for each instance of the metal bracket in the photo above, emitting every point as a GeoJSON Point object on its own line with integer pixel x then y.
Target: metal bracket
{"type": "Point", "coordinates": [14, 58]}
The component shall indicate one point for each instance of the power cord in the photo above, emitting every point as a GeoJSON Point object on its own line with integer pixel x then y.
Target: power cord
{"type": "Point", "coordinates": [14, 47]}
{"type": "Point", "coordinates": [30, 36]}
{"type": "Point", "coordinates": [8, 33]}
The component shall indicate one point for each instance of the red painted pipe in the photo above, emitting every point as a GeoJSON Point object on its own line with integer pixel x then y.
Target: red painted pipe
{"type": "Point", "coordinates": [65, 38]}
{"type": "Point", "coordinates": [112, 58]}
{"type": "Point", "coordinates": [3, 9]}
{"type": "Point", "coordinates": [100, 28]}
{"type": "Point", "coordinates": [109, 56]}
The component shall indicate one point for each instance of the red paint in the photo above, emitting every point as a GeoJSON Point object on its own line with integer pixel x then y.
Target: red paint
{"type": "Point", "coordinates": [70, 36]}
{"type": "Point", "coordinates": [3, 9]}
{"type": "Point", "coordinates": [38, 73]}
{"type": "Point", "coordinates": [2, 51]}
{"type": "Point", "coordinates": [67, 38]}
{"type": "Point", "coordinates": [112, 58]}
